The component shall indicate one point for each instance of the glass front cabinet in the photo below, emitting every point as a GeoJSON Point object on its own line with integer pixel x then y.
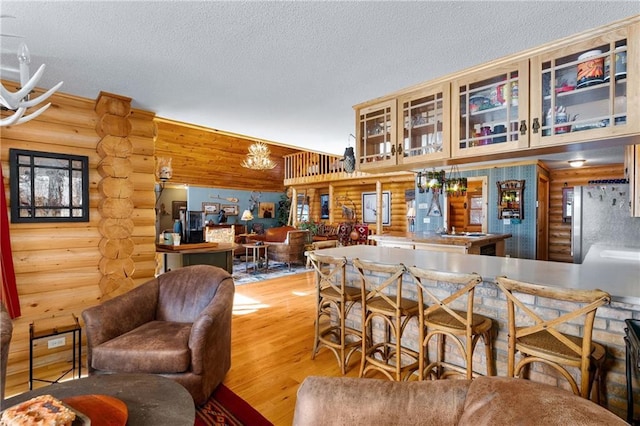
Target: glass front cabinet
{"type": "Point", "coordinates": [410, 129]}
{"type": "Point", "coordinates": [376, 135]}
{"type": "Point", "coordinates": [424, 134]}
{"type": "Point", "coordinates": [582, 92]}
{"type": "Point", "coordinates": [490, 112]}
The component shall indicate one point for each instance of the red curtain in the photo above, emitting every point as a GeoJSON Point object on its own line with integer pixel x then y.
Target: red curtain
{"type": "Point", "coordinates": [9, 295]}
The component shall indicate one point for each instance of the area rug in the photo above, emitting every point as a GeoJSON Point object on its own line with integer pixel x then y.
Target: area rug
{"type": "Point", "coordinates": [276, 269]}
{"type": "Point", "coordinates": [225, 408]}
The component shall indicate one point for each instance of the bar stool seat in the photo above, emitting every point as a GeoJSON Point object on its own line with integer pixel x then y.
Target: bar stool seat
{"type": "Point", "coordinates": [334, 300]}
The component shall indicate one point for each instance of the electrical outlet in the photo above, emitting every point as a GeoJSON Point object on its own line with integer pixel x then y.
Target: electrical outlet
{"type": "Point", "coordinates": [426, 220]}
{"type": "Point", "coordinates": [56, 343]}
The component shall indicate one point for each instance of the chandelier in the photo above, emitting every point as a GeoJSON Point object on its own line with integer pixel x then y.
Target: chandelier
{"type": "Point", "coordinates": [19, 101]}
{"type": "Point", "coordinates": [258, 157]}
{"type": "Point", "coordinates": [430, 181]}
{"type": "Point", "coordinates": [455, 184]}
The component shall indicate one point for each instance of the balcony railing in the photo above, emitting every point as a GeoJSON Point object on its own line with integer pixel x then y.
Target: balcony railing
{"type": "Point", "coordinates": [309, 167]}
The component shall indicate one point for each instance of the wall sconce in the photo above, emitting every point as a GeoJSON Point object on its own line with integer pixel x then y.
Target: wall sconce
{"type": "Point", "coordinates": [349, 160]}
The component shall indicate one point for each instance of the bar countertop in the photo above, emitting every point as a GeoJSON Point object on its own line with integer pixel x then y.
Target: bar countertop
{"type": "Point", "coordinates": [464, 239]}
{"type": "Point", "coordinates": [614, 270]}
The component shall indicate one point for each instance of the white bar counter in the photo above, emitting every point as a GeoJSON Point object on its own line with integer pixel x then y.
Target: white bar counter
{"type": "Point", "coordinates": [620, 277]}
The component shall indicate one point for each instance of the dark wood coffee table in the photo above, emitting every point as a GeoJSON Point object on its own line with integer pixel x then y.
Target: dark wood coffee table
{"type": "Point", "coordinates": [151, 400]}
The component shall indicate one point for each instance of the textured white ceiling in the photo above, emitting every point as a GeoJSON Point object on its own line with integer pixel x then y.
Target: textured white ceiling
{"type": "Point", "coordinates": [286, 72]}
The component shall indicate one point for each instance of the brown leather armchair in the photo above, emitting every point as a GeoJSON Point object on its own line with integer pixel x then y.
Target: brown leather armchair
{"type": "Point", "coordinates": [286, 244]}
{"type": "Point", "coordinates": [6, 330]}
{"type": "Point", "coordinates": [177, 325]}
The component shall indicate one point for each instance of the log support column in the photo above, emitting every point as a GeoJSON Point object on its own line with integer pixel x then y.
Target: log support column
{"type": "Point", "coordinates": [116, 190]}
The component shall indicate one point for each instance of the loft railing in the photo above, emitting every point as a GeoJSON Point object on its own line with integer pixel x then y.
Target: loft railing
{"type": "Point", "coordinates": [308, 167]}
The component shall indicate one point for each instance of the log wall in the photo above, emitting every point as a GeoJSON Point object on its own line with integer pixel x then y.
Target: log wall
{"type": "Point", "coordinates": [57, 265]}
{"type": "Point", "coordinates": [345, 192]}
{"type": "Point", "coordinates": [559, 231]}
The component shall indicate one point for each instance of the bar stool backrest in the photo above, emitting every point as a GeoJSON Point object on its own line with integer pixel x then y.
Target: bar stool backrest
{"type": "Point", "coordinates": [330, 271]}
{"type": "Point", "coordinates": [524, 321]}
{"type": "Point", "coordinates": [388, 288]}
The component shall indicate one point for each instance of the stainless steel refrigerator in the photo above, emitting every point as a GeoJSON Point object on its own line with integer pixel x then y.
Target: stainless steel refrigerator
{"type": "Point", "coordinates": [602, 214]}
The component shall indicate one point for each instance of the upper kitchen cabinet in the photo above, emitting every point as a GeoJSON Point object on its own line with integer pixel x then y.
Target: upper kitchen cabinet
{"type": "Point", "coordinates": [376, 135]}
{"type": "Point", "coordinates": [424, 134]}
{"type": "Point", "coordinates": [588, 90]}
{"type": "Point", "coordinates": [411, 128]}
{"type": "Point", "coordinates": [491, 110]}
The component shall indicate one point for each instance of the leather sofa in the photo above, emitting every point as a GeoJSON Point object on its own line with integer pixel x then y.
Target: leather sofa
{"type": "Point", "coordinates": [6, 330]}
{"type": "Point", "coordinates": [177, 325]}
{"type": "Point", "coordinates": [286, 243]}
{"type": "Point", "coordinates": [481, 401]}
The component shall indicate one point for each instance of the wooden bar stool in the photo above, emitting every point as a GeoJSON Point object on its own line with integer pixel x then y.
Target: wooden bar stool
{"type": "Point", "coordinates": [334, 301]}
{"type": "Point", "coordinates": [452, 316]}
{"type": "Point", "coordinates": [382, 302]}
{"type": "Point", "coordinates": [541, 336]}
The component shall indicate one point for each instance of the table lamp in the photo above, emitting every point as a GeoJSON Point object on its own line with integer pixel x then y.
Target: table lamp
{"type": "Point", "coordinates": [246, 217]}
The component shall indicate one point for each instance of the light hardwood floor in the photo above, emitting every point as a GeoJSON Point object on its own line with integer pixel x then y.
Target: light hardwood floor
{"type": "Point", "coordinates": [272, 342]}
{"type": "Point", "coordinates": [272, 338]}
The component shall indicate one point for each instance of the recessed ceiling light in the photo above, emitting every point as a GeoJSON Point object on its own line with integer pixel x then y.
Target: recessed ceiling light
{"type": "Point", "coordinates": [577, 163]}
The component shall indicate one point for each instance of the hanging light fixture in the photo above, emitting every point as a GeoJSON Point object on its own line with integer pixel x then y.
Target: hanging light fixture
{"type": "Point", "coordinates": [455, 184]}
{"type": "Point", "coordinates": [19, 101]}
{"type": "Point", "coordinates": [349, 159]}
{"type": "Point", "coordinates": [432, 180]}
{"type": "Point", "coordinates": [258, 157]}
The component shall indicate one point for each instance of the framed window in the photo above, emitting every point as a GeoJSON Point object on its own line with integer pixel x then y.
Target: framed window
{"type": "Point", "coordinates": [48, 187]}
{"type": "Point", "coordinates": [324, 206]}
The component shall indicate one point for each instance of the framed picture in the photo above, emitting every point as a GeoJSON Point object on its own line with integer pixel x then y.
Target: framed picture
{"type": "Point", "coordinates": [324, 206]}
{"type": "Point", "coordinates": [176, 206]}
{"type": "Point", "coordinates": [48, 187]}
{"type": "Point", "coordinates": [370, 206]}
{"type": "Point", "coordinates": [230, 209]}
{"type": "Point", "coordinates": [267, 210]}
{"type": "Point", "coordinates": [210, 208]}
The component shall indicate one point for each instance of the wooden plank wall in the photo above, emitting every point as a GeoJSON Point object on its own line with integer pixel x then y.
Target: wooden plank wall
{"type": "Point", "coordinates": [210, 158]}
{"type": "Point", "coordinates": [353, 191]}
{"type": "Point", "coordinates": [57, 265]}
{"type": "Point", "coordinates": [559, 231]}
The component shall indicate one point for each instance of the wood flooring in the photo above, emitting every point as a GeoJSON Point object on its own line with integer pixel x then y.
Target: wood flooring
{"type": "Point", "coordinates": [272, 338]}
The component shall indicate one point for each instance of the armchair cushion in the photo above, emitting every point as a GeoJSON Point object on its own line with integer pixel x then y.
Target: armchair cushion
{"type": "Point", "coordinates": [154, 347]}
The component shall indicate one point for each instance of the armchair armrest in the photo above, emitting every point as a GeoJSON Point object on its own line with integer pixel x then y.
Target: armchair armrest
{"type": "Point", "coordinates": [211, 332]}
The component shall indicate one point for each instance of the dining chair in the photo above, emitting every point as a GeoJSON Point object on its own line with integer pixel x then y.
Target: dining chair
{"type": "Point", "coordinates": [334, 300]}
{"type": "Point", "coordinates": [545, 336]}
{"type": "Point", "coordinates": [449, 314]}
{"type": "Point", "coordinates": [385, 309]}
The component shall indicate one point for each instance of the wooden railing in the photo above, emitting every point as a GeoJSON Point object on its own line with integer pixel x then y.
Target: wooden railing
{"type": "Point", "coordinates": [310, 167]}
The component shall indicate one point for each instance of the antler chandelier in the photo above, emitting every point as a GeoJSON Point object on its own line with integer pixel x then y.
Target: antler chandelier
{"type": "Point", "coordinates": [19, 101]}
{"type": "Point", "coordinates": [258, 157]}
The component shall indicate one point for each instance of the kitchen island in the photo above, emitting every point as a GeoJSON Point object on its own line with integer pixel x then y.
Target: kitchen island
{"type": "Point", "coordinates": [466, 243]}
{"type": "Point", "coordinates": [216, 254]}
{"type": "Point", "coordinates": [614, 270]}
